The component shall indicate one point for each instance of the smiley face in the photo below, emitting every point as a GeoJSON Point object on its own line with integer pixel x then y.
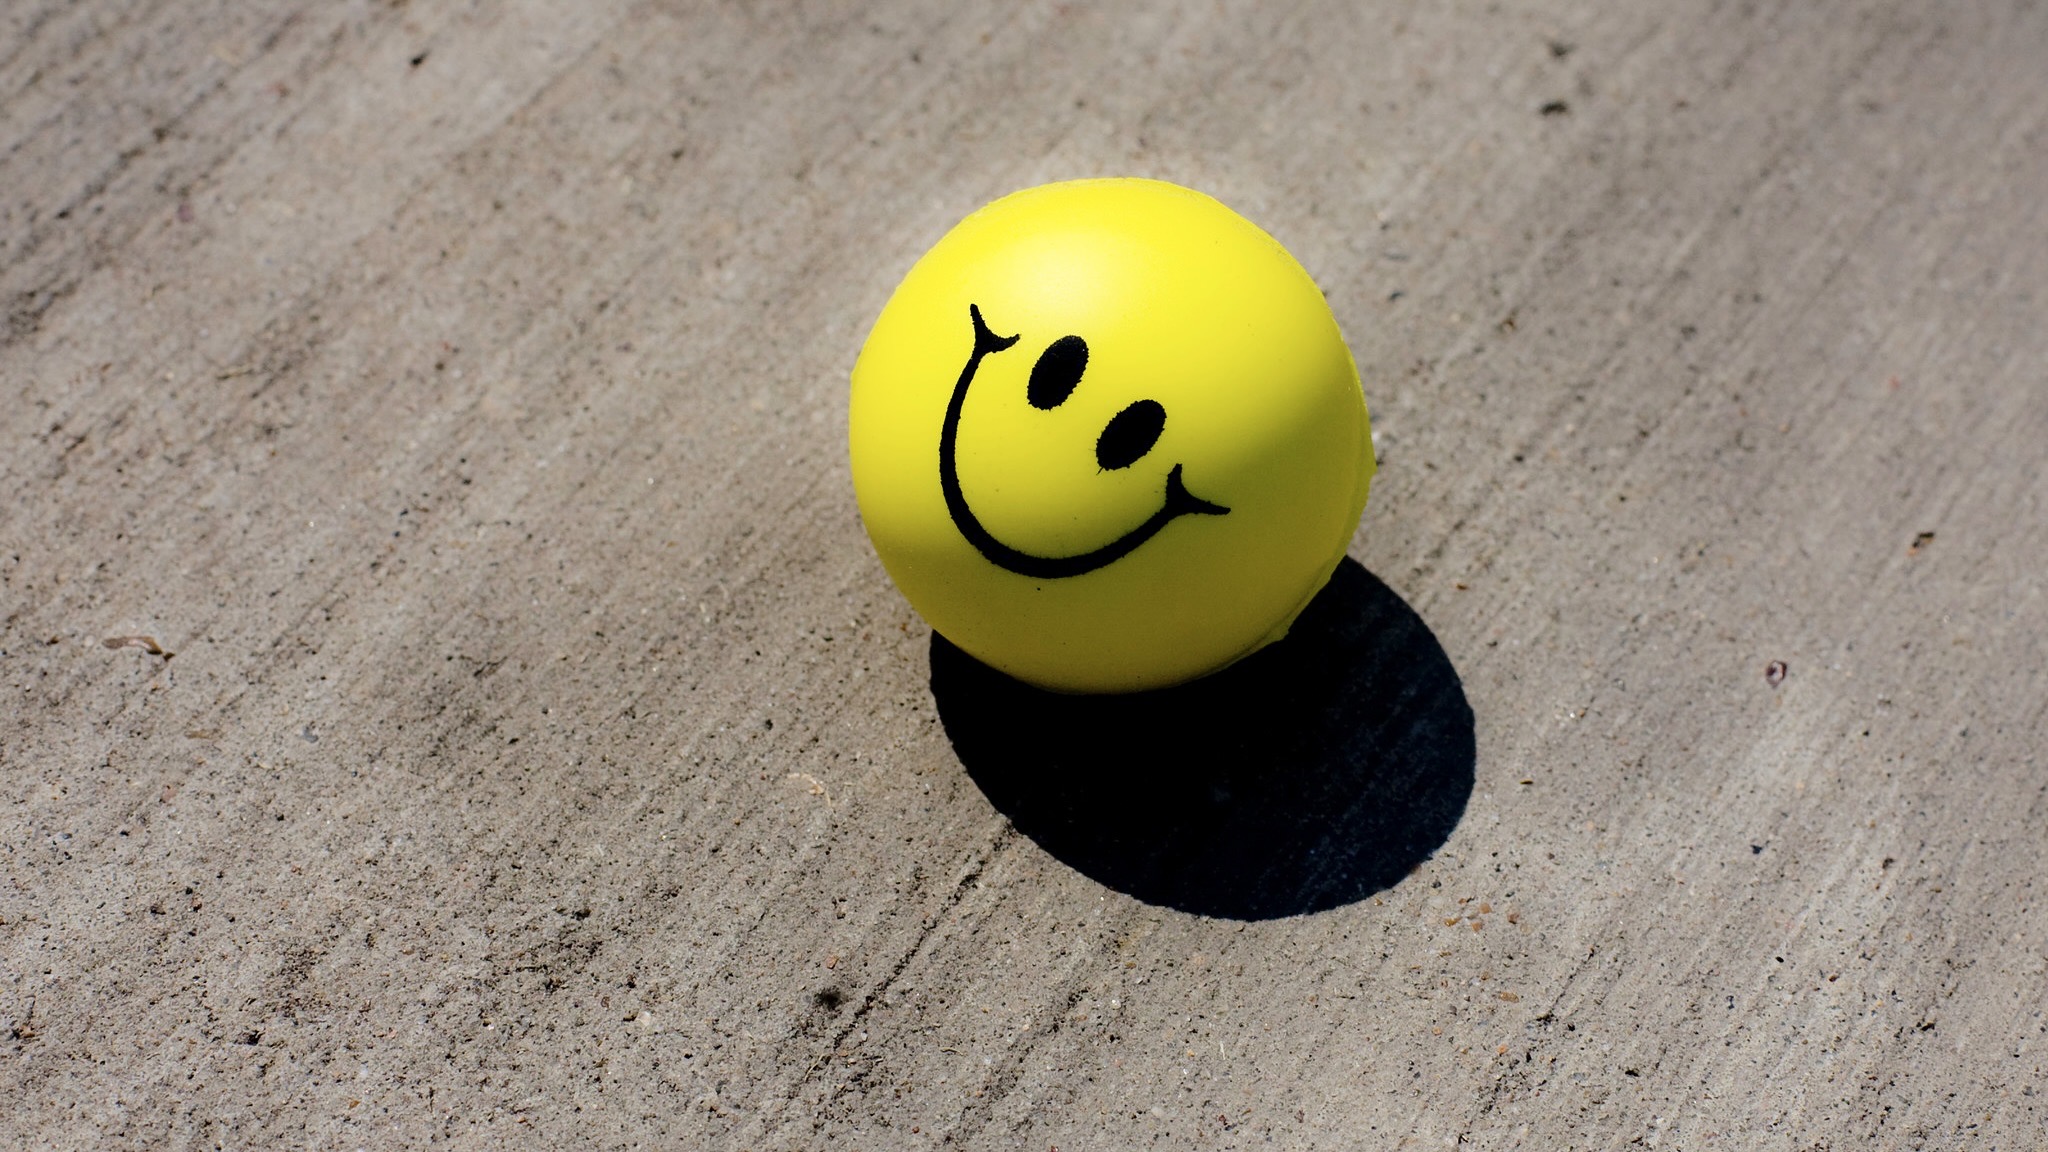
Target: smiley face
{"type": "Point", "coordinates": [1128, 436]}
{"type": "Point", "coordinates": [1106, 436]}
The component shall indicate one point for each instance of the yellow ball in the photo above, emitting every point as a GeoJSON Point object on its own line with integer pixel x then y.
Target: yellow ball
{"type": "Point", "coordinates": [1106, 436]}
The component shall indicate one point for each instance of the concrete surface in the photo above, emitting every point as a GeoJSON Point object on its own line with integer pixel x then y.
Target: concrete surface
{"type": "Point", "coordinates": [539, 757]}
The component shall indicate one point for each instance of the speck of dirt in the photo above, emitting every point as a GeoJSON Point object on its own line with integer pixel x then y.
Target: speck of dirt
{"type": "Point", "coordinates": [1774, 673]}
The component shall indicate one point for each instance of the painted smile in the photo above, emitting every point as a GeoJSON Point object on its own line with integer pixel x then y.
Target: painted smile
{"type": "Point", "coordinates": [1127, 438]}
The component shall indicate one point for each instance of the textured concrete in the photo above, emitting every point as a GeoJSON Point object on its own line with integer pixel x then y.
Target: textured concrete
{"type": "Point", "coordinates": [536, 755]}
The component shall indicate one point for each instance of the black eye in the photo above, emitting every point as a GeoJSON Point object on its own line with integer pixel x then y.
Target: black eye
{"type": "Point", "coordinates": [1130, 434]}
{"type": "Point", "coordinates": [1057, 372]}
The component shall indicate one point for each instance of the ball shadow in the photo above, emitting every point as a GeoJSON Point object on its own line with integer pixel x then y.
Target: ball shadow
{"type": "Point", "coordinates": [1309, 776]}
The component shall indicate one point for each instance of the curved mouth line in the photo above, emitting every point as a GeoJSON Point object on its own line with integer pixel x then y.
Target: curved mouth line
{"type": "Point", "coordinates": [1178, 502]}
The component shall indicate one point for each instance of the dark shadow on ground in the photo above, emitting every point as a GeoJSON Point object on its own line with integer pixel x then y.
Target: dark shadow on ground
{"type": "Point", "coordinates": [1309, 776]}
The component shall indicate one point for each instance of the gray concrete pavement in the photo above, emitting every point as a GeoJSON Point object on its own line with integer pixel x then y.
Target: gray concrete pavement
{"type": "Point", "coordinates": [538, 755]}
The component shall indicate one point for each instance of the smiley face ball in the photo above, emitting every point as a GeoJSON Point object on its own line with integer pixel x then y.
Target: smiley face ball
{"type": "Point", "coordinates": [1106, 436]}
